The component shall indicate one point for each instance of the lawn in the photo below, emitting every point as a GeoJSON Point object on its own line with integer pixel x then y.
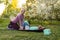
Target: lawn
{"type": "Point", "coordinates": [6, 34]}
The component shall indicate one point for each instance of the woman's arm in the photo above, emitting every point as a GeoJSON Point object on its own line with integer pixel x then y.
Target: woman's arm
{"type": "Point", "coordinates": [20, 25]}
{"type": "Point", "coordinates": [20, 21]}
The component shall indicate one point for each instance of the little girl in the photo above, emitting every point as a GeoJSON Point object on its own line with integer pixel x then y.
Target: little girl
{"type": "Point", "coordinates": [17, 22]}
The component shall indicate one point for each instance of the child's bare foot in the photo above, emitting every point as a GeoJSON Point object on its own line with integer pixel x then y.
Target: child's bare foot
{"type": "Point", "coordinates": [41, 27]}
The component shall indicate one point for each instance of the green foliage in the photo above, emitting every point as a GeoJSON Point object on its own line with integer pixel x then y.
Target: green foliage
{"type": "Point", "coordinates": [36, 9]}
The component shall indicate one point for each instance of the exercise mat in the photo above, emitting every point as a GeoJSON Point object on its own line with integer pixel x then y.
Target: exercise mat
{"type": "Point", "coordinates": [32, 30]}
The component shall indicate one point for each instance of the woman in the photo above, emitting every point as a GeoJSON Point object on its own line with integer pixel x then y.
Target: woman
{"type": "Point", "coordinates": [17, 22]}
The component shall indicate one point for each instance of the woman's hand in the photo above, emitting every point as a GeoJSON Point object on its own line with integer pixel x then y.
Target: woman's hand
{"type": "Point", "coordinates": [21, 28]}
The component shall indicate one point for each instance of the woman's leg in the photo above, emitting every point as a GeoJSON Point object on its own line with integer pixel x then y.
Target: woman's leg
{"type": "Point", "coordinates": [13, 26]}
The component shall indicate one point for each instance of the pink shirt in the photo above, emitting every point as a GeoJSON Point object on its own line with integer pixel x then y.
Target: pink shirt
{"type": "Point", "coordinates": [18, 18]}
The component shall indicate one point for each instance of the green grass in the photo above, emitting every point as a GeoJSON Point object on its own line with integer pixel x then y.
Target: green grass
{"type": "Point", "coordinates": [6, 34]}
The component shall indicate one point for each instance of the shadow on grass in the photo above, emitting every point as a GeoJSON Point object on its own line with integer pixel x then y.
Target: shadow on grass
{"type": "Point", "coordinates": [22, 30]}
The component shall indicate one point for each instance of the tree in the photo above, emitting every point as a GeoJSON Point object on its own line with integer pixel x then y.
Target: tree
{"type": "Point", "coordinates": [46, 8]}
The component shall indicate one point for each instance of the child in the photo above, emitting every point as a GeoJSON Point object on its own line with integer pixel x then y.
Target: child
{"type": "Point", "coordinates": [18, 19]}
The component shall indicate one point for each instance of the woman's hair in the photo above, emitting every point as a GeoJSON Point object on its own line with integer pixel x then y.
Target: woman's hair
{"type": "Point", "coordinates": [22, 10]}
